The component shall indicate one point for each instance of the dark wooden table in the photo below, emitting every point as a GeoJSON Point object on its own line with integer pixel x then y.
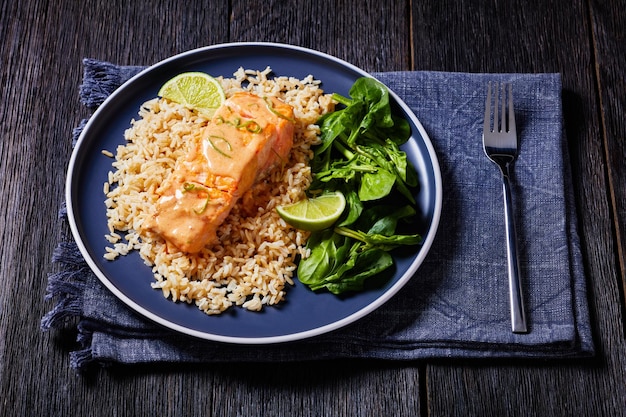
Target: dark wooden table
{"type": "Point", "coordinates": [43, 43]}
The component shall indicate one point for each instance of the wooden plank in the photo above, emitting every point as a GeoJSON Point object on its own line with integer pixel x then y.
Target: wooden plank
{"type": "Point", "coordinates": [609, 39]}
{"type": "Point", "coordinates": [372, 35]}
{"type": "Point", "coordinates": [337, 388]}
{"type": "Point", "coordinates": [515, 37]}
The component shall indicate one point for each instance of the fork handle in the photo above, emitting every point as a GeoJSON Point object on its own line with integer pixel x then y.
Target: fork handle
{"type": "Point", "coordinates": [518, 315]}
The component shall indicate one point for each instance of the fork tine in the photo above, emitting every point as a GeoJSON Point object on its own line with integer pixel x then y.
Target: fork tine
{"type": "Point", "coordinates": [503, 124]}
{"type": "Point", "coordinates": [511, 111]}
{"type": "Point", "coordinates": [498, 98]}
{"type": "Point", "coordinates": [496, 120]}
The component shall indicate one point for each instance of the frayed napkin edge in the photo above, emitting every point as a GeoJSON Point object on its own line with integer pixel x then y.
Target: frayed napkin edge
{"type": "Point", "coordinates": [69, 284]}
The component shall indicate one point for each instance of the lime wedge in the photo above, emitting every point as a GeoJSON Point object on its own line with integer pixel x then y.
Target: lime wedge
{"type": "Point", "coordinates": [196, 90]}
{"type": "Point", "coordinates": [314, 214]}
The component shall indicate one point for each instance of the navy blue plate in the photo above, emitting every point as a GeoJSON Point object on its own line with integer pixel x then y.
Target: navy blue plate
{"type": "Point", "coordinates": [304, 313]}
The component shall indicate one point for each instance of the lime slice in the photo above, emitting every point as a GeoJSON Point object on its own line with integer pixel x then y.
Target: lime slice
{"type": "Point", "coordinates": [314, 214]}
{"type": "Point", "coordinates": [196, 90]}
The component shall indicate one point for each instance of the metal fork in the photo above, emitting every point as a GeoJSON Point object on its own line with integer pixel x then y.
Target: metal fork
{"type": "Point", "coordinates": [500, 145]}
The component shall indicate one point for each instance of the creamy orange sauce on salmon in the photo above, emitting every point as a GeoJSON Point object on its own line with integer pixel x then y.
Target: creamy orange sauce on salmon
{"type": "Point", "coordinates": [246, 137]}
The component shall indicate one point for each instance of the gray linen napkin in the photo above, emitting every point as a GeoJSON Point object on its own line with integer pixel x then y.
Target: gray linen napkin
{"type": "Point", "coordinates": [457, 304]}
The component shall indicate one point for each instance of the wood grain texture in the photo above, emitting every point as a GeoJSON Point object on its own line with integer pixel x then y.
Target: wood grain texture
{"type": "Point", "coordinates": [609, 40]}
{"type": "Point", "coordinates": [518, 37]}
{"type": "Point", "coordinates": [369, 34]}
{"type": "Point", "coordinates": [43, 43]}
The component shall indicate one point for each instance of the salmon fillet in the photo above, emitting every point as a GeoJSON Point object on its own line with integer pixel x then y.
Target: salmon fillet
{"type": "Point", "coordinates": [246, 137]}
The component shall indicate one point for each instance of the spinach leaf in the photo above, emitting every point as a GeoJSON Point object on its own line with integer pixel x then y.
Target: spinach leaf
{"type": "Point", "coordinates": [367, 264]}
{"type": "Point", "coordinates": [383, 219]}
{"type": "Point", "coordinates": [354, 207]}
{"type": "Point", "coordinates": [376, 185]}
{"type": "Point", "coordinates": [360, 156]}
{"type": "Point", "coordinates": [318, 264]}
{"type": "Point", "coordinates": [352, 268]}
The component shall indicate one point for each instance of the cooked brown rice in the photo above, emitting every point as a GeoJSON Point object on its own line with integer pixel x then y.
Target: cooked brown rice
{"type": "Point", "coordinates": [256, 255]}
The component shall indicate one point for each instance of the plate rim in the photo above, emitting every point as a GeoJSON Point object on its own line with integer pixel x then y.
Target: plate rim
{"type": "Point", "coordinates": [301, 335]}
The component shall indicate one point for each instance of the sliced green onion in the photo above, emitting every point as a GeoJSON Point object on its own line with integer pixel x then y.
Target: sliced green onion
{"type": "Point", "coordinates": [203, 208]}
{"type": "Point", "coordinates": [217, 149]}
{"type": "Point", "coordinates": [270, 106]}
{"type": "Point", "coordinates": [252, 126]}
{"type": "Point", "coordinates": [188, 187]}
